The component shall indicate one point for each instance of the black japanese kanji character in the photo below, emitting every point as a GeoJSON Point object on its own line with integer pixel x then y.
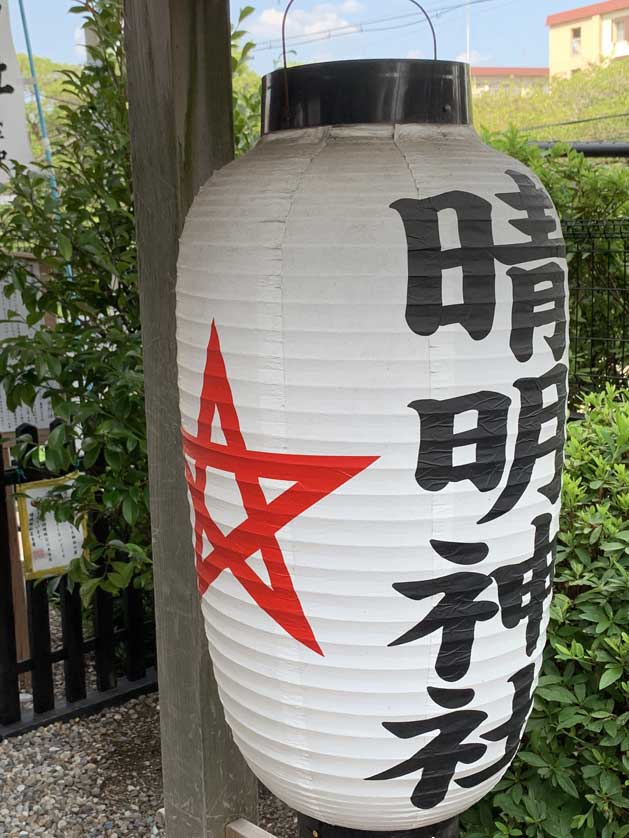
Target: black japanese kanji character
{"type": "Point", "coordinates": [456, 615]}
{"type": "Point", "coordinates": [534, 306]}
{"type": "Point", "coordinates": [537, 226]}
{"type": "Point", "coordinates": [460, 553]}
{"type": "Point", "coordinates": [523, 588]}
{"type": "Point", "coordinates": [512, 730]}
{"type": "Point", "coordinates": [5, 88]}
{"type": "Point", "coordinates": [3, 156]}
{"type": "Point", "coordinates": [474, 255]}
{"type": "Point", "coordinates": [535, 202]}
{"type": "Point", "coordinates": [427, 261]}
{"type": "Point", "coordinates": [439, 759]}
{"type": "Point", "coordinates": [450, 698]}
{"type": "Point", "coordinates": [439, 439]}
{"type": "Point", "coordinates": [528, 297]}
{"type": "Point", "coordinates": [529, 447]}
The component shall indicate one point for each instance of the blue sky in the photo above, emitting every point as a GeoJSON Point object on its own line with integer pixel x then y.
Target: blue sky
{"type": "Point", "coordinates": [503, 32]}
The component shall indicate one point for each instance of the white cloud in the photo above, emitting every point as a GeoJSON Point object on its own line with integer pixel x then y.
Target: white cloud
{"type": "Point", "coordinates": [351, 7]}
{"type": "Point", "coordinates": [414, 53]}
{"type": "Point", "coordinates": [301, 22]}
{"type": "Point", "coordinates": [476, 58]}
{"type": "Point", "coordinates": [321, 56]}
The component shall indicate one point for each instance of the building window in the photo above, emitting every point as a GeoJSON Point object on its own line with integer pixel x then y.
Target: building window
{"type": "Point", "coordinates": [621, 29]}
{"type": "Point", "coordinates": [576, 41]}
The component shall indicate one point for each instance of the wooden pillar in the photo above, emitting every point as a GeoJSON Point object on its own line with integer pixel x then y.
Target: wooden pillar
{"type": "Point", "coordinates": [178, 55]}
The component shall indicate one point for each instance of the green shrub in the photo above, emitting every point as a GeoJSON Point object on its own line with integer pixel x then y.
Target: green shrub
{"type": "Point", "coordinates": [592, 96]}
{"type": "Point", "coordinates": [53, 93]}
{"type": "Point", "coordinates": [246, 87]}
{"type": "Point", "coordinates": [570, 778]}
{"type": "Point", "coordinates": [90, 363]}
{"type": "Point", "coordinates": [586, 190]}
{"type": "Point", "coordinates": [579, 186]}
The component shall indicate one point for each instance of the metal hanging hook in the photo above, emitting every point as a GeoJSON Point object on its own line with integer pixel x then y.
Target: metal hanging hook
{"type": "Point", "coordinates": [414, 2]}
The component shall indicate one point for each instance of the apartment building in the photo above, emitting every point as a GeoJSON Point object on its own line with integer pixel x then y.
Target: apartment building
{"type": "Point", "coordinates": [517, 79]}
{"type": "Point", "coordinates": [589, 35]}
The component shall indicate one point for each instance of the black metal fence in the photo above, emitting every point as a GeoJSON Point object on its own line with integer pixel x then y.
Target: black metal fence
{"type": "Point", "coordinates": [598, 258]}
{"type": "Point", "coordinates": [79, 658]}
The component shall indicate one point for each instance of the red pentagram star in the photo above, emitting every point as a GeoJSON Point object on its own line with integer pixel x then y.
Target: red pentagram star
{"type": "Point", "coordinates": [313, 477]}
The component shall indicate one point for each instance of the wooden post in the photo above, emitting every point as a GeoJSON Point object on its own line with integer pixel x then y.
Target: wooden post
{"type": "Point", "coordinates": [178, 55]}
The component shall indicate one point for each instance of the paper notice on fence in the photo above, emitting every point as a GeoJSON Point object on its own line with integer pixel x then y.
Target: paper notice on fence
{"type": "Point", "coordinates": [49, 546]}
{"type": "Point", "coordinates": [40, 415]}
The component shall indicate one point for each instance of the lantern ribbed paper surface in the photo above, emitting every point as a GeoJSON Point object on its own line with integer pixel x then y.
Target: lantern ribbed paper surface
{"type": "Point", "coordinates": [371, 342]}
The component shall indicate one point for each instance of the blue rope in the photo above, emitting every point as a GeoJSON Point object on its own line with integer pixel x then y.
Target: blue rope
{"type": "Point", "coordinates": [40, 109]}
{"type": "Point", "coordinates": [42, 119]}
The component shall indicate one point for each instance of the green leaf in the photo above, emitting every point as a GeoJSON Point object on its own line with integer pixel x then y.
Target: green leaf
{"type": "Point", "coordinates": [570, 716]}
{"type": "Point", "coordinates": [612, 546]}
{"type": "Point", "coordinates": [558, 694]}
{"type": "Point", "coordinates": [116, 544]}
{"type": "Point", "coordinates": [130, 510]}
{"type": "Point", "coordinates": [88, 589]}
{"type": "Point", "coordinates": [567, 784]}
{"type": "Point", "coordinates": [532, 759]}
{"type": "Point", "coordinates": [91, 456]}
{"type": "Point", "coordinates": [245, 12]}
{"type": "Point", "coordinates": [63, 409]}
{"type": "Point", "coordinates": [55, 460]}
{"type": "Point", "coordinates": [610, 676]}
{"type": "Point", "coordinates": [114, 457]}
{"type": "Point", "coordinates": [65, 246]}
{"type": "Point", "coordinates": [57, 438]}
{"type": "Point", "coordinates": [111, 497]}
{"type": "Point", "coordinates": [121, 578]}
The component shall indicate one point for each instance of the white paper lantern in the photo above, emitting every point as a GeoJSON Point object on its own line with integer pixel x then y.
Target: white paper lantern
{"type": "Point", "coordinates": [372, 355]}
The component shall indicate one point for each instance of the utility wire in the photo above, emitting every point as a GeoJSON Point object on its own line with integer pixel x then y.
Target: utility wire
{"type": "Point", "coordinates": [350, 26]}
{"type": "Point", "coordinates": [355, 28]}
{"type": "Point", "coordinates": [360, 27]}
{"type": "Point", "coordinates": [575, 121]}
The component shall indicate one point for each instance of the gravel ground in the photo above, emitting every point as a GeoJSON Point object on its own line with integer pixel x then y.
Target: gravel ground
{"type": "Point", "coordinates": [98, 777]}
{"type": "Point", "coordinates": [275, 816]}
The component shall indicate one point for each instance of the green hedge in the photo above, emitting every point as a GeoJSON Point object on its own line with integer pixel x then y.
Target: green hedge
{"type": "Point", "coordinates": [570, 778]}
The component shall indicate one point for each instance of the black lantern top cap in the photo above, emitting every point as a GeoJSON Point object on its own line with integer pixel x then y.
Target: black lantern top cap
{"type": "Point", "coordinates": [385, 91]}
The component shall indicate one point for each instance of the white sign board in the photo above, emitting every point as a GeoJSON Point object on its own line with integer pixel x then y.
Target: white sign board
{"type": "Point", "coordinates": [14, 143]}
{"type": "Point", "coordinates": [49, 546]}
{"type": "Point", "coordinates": [41, 414]}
